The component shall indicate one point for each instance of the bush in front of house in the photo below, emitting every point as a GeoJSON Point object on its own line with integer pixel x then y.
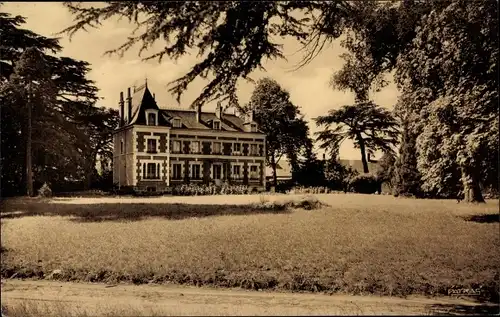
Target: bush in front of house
{"type": "Point", "coordinates": [364, 184]}
{"type": "Point", "coordinates": [45, 191]}
{"type": "Point", "coordinates": [202, 190]}
{"type": "Point", "coordinates": [310, 190]}
{"type": "Point", "coordinates": [91, 193]}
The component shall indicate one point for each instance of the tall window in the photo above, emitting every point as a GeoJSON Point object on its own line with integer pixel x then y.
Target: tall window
{"type": "Point", "coordinates": [253, 127]}
{"type": "Point", "coordinates": [176, 146]}
{"type": "Point", "coordinates": [151, 119]}
{"type": "Point", "coordinates": [177, 123]}
{"type": "Point", "coordinates": [254, 149]}
{"type": "Point", "coordinates": [216, 147]}
{"type": "Point", "coordinates": [236, 171]}
{"type": "Point", "coordinates": [121, 146]}
{"type": "Point", "coordinates": [195, 147]}
{"type": "Point", "coordinates": [217, 171]}
{"type": "Point", "coordinates": [236, 148]}
{"type": "Point", "coordinates": [196, 171]}
{"type": "Point", "coordinates": [151, 170]}
{"type": "Point", "coordinates": [176, 171]}
{"type": "Point", "coordinates": [253, 172]}
{"type": "Point", "coordinates": [151, 146]}
{"type": "Point", "coordinates": [216, 125]}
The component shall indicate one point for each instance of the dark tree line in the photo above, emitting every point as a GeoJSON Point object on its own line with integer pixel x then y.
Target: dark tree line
{"type": "Point", "coordinates": [52, 130]}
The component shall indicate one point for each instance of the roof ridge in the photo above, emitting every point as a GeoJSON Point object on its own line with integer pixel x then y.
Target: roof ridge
{"type": "Point", "coordinates": [192, 110]}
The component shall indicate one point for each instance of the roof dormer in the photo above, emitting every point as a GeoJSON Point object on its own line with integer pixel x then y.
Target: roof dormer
{"type": "Point", "coordinates": [176, 122]}
{"type": "Point", "coordinates": [216, 124]}
{"type": "Point", "coordinates": [151, 117]}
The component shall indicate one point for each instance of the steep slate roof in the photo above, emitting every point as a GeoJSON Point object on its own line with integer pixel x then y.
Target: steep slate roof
{"type": "Point", "coordinates": [139, 97]}
{"type": "Point", "coordinates": [142, 99]}
{"type": "Point", "coordinates": [188, 118]}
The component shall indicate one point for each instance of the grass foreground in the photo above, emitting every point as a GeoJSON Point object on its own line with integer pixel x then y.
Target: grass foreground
{"type": "Point", "coordinates": [358, 244]}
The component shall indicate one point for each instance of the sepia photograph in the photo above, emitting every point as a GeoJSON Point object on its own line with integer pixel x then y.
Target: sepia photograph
{"type": "Point", "coordinates": [249, 158]}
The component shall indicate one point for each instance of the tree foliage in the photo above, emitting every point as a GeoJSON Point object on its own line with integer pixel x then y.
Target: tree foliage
{"type": "Point", "coordinates": [370, 127]}
{"type": "Point", "coordinates": [282, 122]}
{"type": "Point", "coordinates": [385, 168]}
{"type": "Point", "coordinates": [406, 180]}
{"type": "Point", "coordinates": [445, 57]}
{"type": "Point", "coordinates": [63, 103]}
{"type": "Point", "coordinates": [31, 90]}
{"type": "Point", "coordinates": [309, 170]}
{"type": "Point", "coordinates": [449, 74]}
{"type": "Point", "coordinates": [232, 37]}
{"type": "Point", "coordinates": [339, 176]}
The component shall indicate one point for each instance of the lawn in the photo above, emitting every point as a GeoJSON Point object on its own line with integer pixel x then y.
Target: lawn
{"type": "Point", "coordinates": [358, 244]}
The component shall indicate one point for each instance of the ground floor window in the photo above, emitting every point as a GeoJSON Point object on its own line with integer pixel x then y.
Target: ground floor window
{"type": "Point", "coordinates": [217, 171]}
{"type": "Point", "coordinates": [254, 172]}
{"type": "Point", "coordinates": [151, 170]}
{"type": "Point", "coordinates": [236, 171]}
{"type": "Point", "coordinates": [196, 171]}
{"type": "Point", "coordinates": [177, 171]}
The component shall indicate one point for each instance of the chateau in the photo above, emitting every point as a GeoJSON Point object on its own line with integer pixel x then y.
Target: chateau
{"type": "Point", "coordinates": [158, 148]}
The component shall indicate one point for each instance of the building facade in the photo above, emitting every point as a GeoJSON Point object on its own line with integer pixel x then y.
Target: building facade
{"type": "Point", "coordinates": [158, 148]}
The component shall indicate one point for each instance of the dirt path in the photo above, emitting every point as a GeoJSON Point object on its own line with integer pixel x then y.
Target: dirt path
{"type": "Point", "coordinates": [98, 299]}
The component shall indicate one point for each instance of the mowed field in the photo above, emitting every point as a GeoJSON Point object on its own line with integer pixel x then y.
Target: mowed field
{"type": "Point", "coordinates": [358, 244]}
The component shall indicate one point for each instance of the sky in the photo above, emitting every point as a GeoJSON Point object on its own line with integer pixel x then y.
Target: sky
{"type": "Point", "coordinates": [308, 87]}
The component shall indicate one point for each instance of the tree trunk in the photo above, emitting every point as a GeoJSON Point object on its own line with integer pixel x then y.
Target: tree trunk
{"type": "Point", "coordinates": [471, 189]}
{"type": "Point", "coordinates": [29, 165]}
{"type": "Point", "coordinates": [273, 167]}
{"type": "Point", "coordinates": [363, 153]}
{"type": "Point", "coordinates": [89, 172]}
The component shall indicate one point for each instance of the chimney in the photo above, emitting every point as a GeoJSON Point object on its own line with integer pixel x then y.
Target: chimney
{"type": "Point", "coordinates": [122, 104]}
{"type": "Point", "coordinates": [198, 113]}
{"type": "Point", "coordinates": [154, 96]}
{"type": "Point", "coordinates": [129, 105]}
{"type": "Point", "coordinates": [218, 111]}
{"type": "Point", "coordinates": [250, 116]}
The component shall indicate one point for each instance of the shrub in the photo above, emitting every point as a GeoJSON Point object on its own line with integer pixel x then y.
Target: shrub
{"type": "Point", "coordinates": [84, 193]}
{"type": "Point", "coordinates": [364, 184]}
{"type": "Point", "coordinates": [309, 190]}
{"type": "Point", "coordinates": [282, 186]}
{"type": "Point", "coordinates": [202, 189]}
{"type": "Point", "coordinates": [339, 176]}
{"type": "Point", "coordinates": [307, 203]}
{"type": "Point", "coordinates": [45, 191]}
{"type": "Point", "coordinates": [385, 169]}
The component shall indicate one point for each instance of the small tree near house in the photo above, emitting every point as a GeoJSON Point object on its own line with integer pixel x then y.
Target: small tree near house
{"type": "Point", "coordinates": [282, 122]}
